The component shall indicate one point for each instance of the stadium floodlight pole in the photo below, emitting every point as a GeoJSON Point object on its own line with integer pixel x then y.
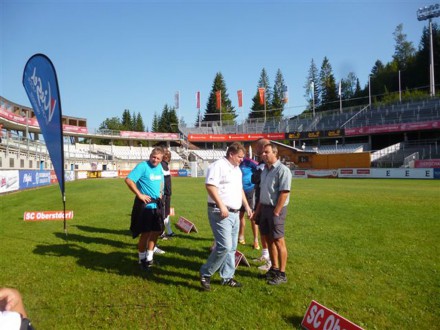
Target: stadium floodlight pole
{"type": "Point", "coordinates": [312, 85]}
{"type": "Point", "coordinates": [400, 90]}
{"type": "Point", "coordinates": [428, 13]}
{"type": "Point", "coordinates": [265, 105]}
{"type": "Point", "coordinates": [340, 96]}
{"type": "Point", "coordinates": [369, 90]}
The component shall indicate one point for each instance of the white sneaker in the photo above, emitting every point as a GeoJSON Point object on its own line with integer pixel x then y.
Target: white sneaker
{"type": "Point", "coordinates": [158, 251]}
{"type": "Point", "coordinates": [262, 259]}
{"type": "Point", "coordinates": [266, 266]}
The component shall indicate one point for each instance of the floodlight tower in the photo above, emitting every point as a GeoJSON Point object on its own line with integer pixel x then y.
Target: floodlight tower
{"type": "Point", "coordinates": [429, 12]}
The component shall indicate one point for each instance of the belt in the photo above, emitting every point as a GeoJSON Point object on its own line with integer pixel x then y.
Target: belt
{"type": "Point", "coordinates": [229, 209]}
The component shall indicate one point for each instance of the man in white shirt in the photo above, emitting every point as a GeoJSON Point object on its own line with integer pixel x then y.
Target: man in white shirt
{"type": "Point", "coordinates": [225, 198]}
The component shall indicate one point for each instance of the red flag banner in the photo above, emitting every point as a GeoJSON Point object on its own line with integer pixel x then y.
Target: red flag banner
{"type": "Point", "coordinates": [198, 100]}
{"type": "Point", "coordinates": [218, 97]}
{"type": "Point", "coordinates": [240, 98]}
{"type": "Point", "coordinates": [261, 92]}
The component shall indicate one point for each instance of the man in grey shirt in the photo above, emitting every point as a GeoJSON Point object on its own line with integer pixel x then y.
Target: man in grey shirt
{"type": "Point", "coordinates": [275, 185]}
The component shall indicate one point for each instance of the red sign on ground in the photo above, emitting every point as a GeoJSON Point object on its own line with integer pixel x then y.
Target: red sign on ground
{"type": "Point", "coordinates": [319, 317]}
{"type": "Point", "coordinates": [46, 215]}
{"type": "Point", "coordinates": [240, 259]}
{"type": "Point", "coordinates": [186, 225]}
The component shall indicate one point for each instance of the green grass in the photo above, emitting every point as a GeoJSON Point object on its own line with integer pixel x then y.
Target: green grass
{"type": "Point", "coordinates": [368, 249]}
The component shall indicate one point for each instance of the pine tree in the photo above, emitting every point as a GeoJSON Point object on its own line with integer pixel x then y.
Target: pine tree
{"type": "Point", "coordinates": [404, 49]}
{"type": "Point", "coordinates": [258, 109]}
{"type": "Point", "coordinates": [227, 111]}
{"type": "Point", "coordinates": [277, 107]}
{"type": "Point", "coordinates": [327, 86]}
{"type": "Point", "coordinates": [127, 121]}
{"type": "Point", "coordinates": [168, 120]}
{"type": "Point", "coordinates": [139, 123]}
{"type": "Point", "coordinates": [155, 123]}
{"type": "Point", "coordinates": [312, 83]}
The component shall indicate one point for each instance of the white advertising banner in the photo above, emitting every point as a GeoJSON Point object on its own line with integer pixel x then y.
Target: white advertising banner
{"type": "Point", "coordinates": [109, 174]}
{"type": "Point", "coordinates": [402, 173]}
{"type": "Point", "coordinates": [9, 181]}
{"type": "Point", "coordinates": [354, 173]}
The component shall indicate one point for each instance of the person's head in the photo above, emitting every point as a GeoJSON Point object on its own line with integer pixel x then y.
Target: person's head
{"type": "Point", "coordinates": [259, 146]}
{"type": "Point", "coordinates": [156, 156]}
{"type": "Point", "coordinates": [235, 153]}
{"type": "Point", "coordinates": [166, 154]}
{"type": "Point", "coordinates": [270, 154]}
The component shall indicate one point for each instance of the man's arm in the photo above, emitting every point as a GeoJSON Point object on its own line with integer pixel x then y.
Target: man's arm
{"type": "Point", "coordinates": [132, 186]}
{"type": "Point", "coordinates": [280, 202]}
{"type": "Point", "coordinates": [10, 300]}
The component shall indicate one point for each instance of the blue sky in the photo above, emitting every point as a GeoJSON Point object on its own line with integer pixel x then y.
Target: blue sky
{"type": "Point", "coordinates": [116, 55]}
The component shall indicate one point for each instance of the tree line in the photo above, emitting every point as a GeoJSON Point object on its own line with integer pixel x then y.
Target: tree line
{"type": "Point", "coordinates": [408, 71]}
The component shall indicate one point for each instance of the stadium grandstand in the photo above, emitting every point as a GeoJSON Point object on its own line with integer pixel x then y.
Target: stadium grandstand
{"type": "Point", "coordinates": [393, 135]}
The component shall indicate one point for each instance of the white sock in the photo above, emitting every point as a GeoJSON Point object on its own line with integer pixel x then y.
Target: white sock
{"type": "Point", "coordinates": [149, 255]}
{"type": "Point", "coordinates": [142, 255]}
{"type": "Point", "coordinates": [265, 253]}
{"type": "Point", "coordinates": [167, 223]}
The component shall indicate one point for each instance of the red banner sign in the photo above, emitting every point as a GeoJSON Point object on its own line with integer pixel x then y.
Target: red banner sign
{"type": "Point", "coordinates": [261, 93]}
{"type": "Point", "coordinates": [46, 215]}
{"type": "Point", "coordinates": [319, 317]}
{"type": "Point", "coordinates": [218, 100]}
{"type": "Point", "coordinates": [428, 163]}
{"type": "Point", "coordinates": [240, 98]}
{"type": "Point", "coordinates": [392, 128]}
{"type": "Point", "coordinates": [233, 137]}
{"type": "Point", "coordinates": [186, 225]}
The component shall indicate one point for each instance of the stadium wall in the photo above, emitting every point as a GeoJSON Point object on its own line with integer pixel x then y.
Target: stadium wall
{"type": "Point", "coordinates": [16, 180]}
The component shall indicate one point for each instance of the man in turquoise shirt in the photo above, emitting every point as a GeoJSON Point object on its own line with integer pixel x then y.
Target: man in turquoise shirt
{"type": "Point", "coordinates": [146, 182]}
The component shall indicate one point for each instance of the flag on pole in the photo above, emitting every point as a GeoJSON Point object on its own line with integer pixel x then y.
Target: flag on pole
{"type": "Point", "coordinates": [285, 95]}
{"type": "Point", "coordinates": [340, 89]}
{"type": "Point", "coordinates": [312, 89]}
{"type": "Point", "coordinates": [177, 100]}
{"type": "Point", "coordinates": [218, 97]}
{"type": "Point", "coordinates": [240, 98]}
{"type": "Point", "coordinates": [41, 85]}
{"type": "Point", "coordinates": [261, 92]}
{"type": "Point", "coordinates": [198, 100]}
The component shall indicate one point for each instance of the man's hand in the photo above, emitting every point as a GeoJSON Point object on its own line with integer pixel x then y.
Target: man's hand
{"type": "Point", "coordinates": [10, 300]}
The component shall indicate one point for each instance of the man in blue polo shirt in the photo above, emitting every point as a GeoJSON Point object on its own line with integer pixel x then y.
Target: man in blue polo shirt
{"type": "Point", "coordinates": [146, 182]}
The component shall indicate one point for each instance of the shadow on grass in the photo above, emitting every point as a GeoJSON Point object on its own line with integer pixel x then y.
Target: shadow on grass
{"type": "Point", "coordinates": [103, 230]}
{"type": "Point", "coordinates": [179, 266]}
{"type": "Point", "coordinates": [295, 320]}
{"type": "Point", "coordinates": [113, 262]}
{"type": "Point", "coordinates": [92, 240]}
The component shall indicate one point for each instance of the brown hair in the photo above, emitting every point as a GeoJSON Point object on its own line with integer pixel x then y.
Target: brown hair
{"type": "Point", "coordinates": [234, 148]}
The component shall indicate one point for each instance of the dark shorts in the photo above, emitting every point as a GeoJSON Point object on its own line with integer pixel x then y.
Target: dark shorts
{"type": "Point", "coordinates": [250, 197]}
{"type": "Point", "coordinates": [270, 224]}
{"type": "Point", "coordinates": [145, 220]}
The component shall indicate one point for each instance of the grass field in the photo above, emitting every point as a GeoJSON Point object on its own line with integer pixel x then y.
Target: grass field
{"type": "Point", "coordinates": [368, 249]}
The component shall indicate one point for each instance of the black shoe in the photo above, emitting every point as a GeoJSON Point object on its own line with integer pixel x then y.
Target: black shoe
{"type": "Point", "coordinates": [279, 279]}
{"type": "Point", "coordinates": [232, 283]}
{"type": "Point", "coordinates": [205, 281]}
{"type": "Point", "coordinates": [145, 265]}
{"type": "Point", "coordinates": [269, 275]}
{"type": "Point", "coordinates": [171, 235]}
